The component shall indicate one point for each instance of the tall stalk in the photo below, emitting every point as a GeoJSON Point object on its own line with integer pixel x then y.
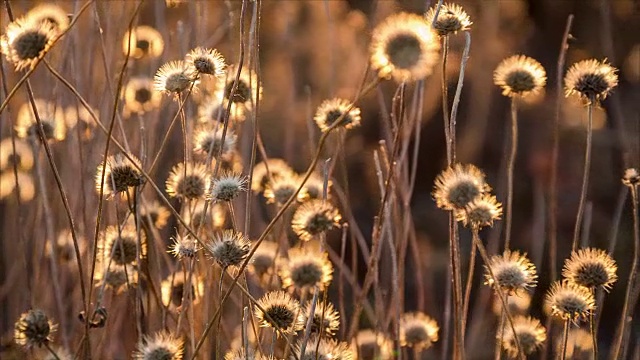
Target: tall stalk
{"type": "Point", "coordinates": [565, 338]}
{"type": "Point", "coordinates": [585, 178]}
{"type": "Point", "coordinates": [510, 168]}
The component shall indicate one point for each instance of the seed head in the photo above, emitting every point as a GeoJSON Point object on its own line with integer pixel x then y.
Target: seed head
{"type": "Point", "coordinates": [314, 188]}
{"type": "Point", "coordinates": [570, 301]}
{"type": "Point", "coordinates": [82, 118]}
{"type": "Point", "coordinates": [214, 219]}
{"type": "Point", "coordinates": [228, 248]}
{"type": "Point", "coordinates": [208, 139]}
{"type": "Point", "coordinates": [140, 97]}
{"type": "Point", "coordinates": [520, 76]}
{"type": "Point", "coordinates": [306, 268]}
{"type": "Point", "coordinates": [158, 213]}
{"type": "Point", "coordinates": [314, 218]}
{"type": "Point", "coordinates": [51, 116]}
{"type": "Point", "coordinates": [34, 329]}
{"type": "Point", "coordinates": [458, 186]}
{"type": "Point", "coordinates": [277, 309]}
{"type": "Point", "coordinates": [418, 330]}
{"type": "Point", "coordinates": [371, 346]}
{"type": "Point", "coordinates": [480, 212]}
{"type": "Point", "coordinates": [8, 185]}
{"type": "Point", "coordinates": [207, 61]}
{"type": "Point", "coordinates": [513, 272]}
{"type": "Point", "coordinates": [326, 318]}
{"type": "Point", "coordinates": [404, 47]}
{"type": "Point", "coordinates": [531, 335]}
{"type": "Point", "coordinates": [264, 171]}
{"type": "Point", "coordinates": [591, 268]}
{"type": "Point", "coordinates": [245, 94]}
{"type": "Point", "coordinates": [591, 79]}
{"type": "Point", "coordinates": [280, 189]}
{"type": "Point", "coordinates": [228, 187]}
{"type": "Point", "coordinates": [240, 355]}
{"type": "Point", "coordinates": [25, 42]}
{"type": "Point", "coordinates": [320, 348]}
{"type": "Point", "coordinates": [213, 108]}
{"type": "Point", "coordinates": [188, 182]}
{"type": "Point", "coordinates": [22, 158]}
{"type": "Point", "coordinates": [144, 41]}
{"type": "Point", "coordinates": [120, 174]}
{"type": "Point", "coordinates": [333, 109]}
{"type": "Point", "coordinates": [184, 246]}
{"type": "Point", "coordinates": [122, 245]}
{"type": "Point", "coordinates": [174, 77]}
{"type": "Point", "coordinates": [160, 346]}
{"type": "Point", "coordinates": [49, 14]}
{"type": "Point", "coordinates": [631, 177]}
{"type": "Point", "coordinates": [579, 344]}
{"type": "Point", "coordinates": [451, 19]}
{"type": "Point", "coordinates": [517, 303]}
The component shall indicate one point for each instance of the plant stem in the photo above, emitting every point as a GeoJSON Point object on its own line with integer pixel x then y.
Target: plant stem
{"type": "Point", "coordinates": [445, 97]}
{"type": "Point", "coordinates": [585, 178]}
{"type": "Point", "coordinates": [510, 167]}
{"type": "Point", "coordinates": [565, 338]}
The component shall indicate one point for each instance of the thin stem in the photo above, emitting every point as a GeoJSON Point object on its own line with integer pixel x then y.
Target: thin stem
{"type": "Point", "coordinates": [456, 97]}
{"type": "Point", "coordinates": [445, 97]}
{"type": "Point", "coordinates": [510, 168]}
{"type": "Point", "coordinates": [53, 353]}
{"type": "Point", "coordinates": [565, 338]}
{"type": "Point", "coordinates": [467, 292]}
{"type": "Point", "coordinates": [585, 179]}
{"type": "Point", "coordinates": [499, 339]}
{"type": "Point", "coordinates": [594, 331]}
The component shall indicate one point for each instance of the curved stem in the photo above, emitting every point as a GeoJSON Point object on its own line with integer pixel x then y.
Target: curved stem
{"type": "Point", "coordinates": [585, 179]}
{"type": "Point", "coordinates": [510, 167]}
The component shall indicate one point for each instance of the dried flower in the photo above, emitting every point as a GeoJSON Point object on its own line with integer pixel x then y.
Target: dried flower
{"type": "Point", "coordinates": [591, 79]}
{"type": "Point", "coordinates": [116, 276]}
{"type": "Point", "coordinates": [531, 335]}
{"type": "Point", "coordinates": [326, 318]}
{"type": "Point", "coordinates": [26, 42]}
{"type": "Point", "coordinates": [245, 95]}
{"type": "Point", "coordinates": [570, 301]}
{"type": "Point", "coordinates": [333, 109]}
{"type": "Point", "coordinates": [34, 329]}
{"type": "Point", "coordinates": [172, 288]}
{"type": "Point", "coordinates": [184, 246]}
{"type": "Point", "coordinates": [158, 214]}
{"type": "Point", "coordinates": [81, 117]}
{"type": "Point", "coordinates": [240, 355]}
{"type": "Point", "coordinates": [207, 61]}
{"type": "Point", "coordinates": [22, 158]}
{"type": "Point", "coordinates": [591, 268]}
{"type": "Point", "coordinates": [174, 77]}
{"type": "Point", "coordinates": [49, 14]}
{"type": "Point", "coordinates": [519, 75]}
{"type": "Point", "coordinates": [314, 188]}
{"type": "Point", "coordinates": [264, 171]}
{"type": "Point", "coordinates": [306, 268]}
{"type": "Point", "coordinates": [314, 218]}
{"type": "Point", "coordinates": [213, 109]}
{"type": "Point", "coordinates": [458, 185]}
{"type": "Point", "coordinates": [418, 330]}
{"type": "Point", "coordinates": [513, 272]}
{"type": "Point", "coordinates": [228, 186]}
{"type": "Point", "coordinates": [280, 189]}
{"type": "Point", "coordinates": [122, 245]}
{"type": "Point", "coordinates": [319, 348]}
{"type": "Point", "coordinates": [228, 248]}
{"type": "Point", "coordinates": [51, 116]}
{"type": "Point", "coordinates": [188, 182]}
{"type": "Point", "coordinates": [144, 41]}
{"type": "Point", "coordinates": [160, 346]}
{"type": "Point", "coordinates": [371, 346]}
{"type": "Point", "coordinates": [120, 173]}
{"type": "Point", "coordinates": [139, 96]}
{"type": "Point", "coordinates": [404, 47]}
{"type": "Point", "coordinates": [277, 309]}
{"type": "Point", "coordinates": [451, 19]}
{"type": "Point", "coordinates": [208, 140]}
{"type": "Point", "coordinates": [481, 212]}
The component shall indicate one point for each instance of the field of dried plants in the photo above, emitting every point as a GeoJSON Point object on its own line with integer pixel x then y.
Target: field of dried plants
{"type": "Point", "coordinates": [319, 179]}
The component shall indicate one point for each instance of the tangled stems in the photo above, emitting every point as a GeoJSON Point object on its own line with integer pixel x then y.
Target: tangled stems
{"type": "Point", "coordinates": [585, 178]}
{"type": "Point", "coordinates": [510, 168]}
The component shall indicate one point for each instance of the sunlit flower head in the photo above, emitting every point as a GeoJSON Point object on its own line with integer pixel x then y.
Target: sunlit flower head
{"type": "Point", "coordinates": [326, 318]}
{"type": "Point", "coordinates": [591, 79]}
{"type": "Point", "coordinates": [230, 162]}
{"type": "Point", "coordinates": [519, 75]}
{"type": "Point", "coordinates": [480, 212]}
{"type": "Point", "coordinates": [404, 47]}
{"type": "Point", "coordinates": [239, 354]}
{"type": "Point", "coordinates": [371, 346]}
{"type": "Point", "coordinates": [280, 189]}
{"type": "Point", "coordinates": [34, 329]}
{"type": "Point", "coordinates": [451, 19]}
{"type": "Point", "coordinates": [305, 268]}
{"type": "Point", "coordinates": [25, 42]}
{"type": "Point", "coordinates": [208, 140]}
{"type": "Point", "coordinates": [228, 248]}
{"type": "Point", "coordinates": [207, 61]}
{"type": "Point", "coordinates": [277, 309]}
{"type": "Point", "coordinates": [120, 174]}
{"type": "Point", "coordinates": [51, 116]}
{"type": "Point", "coordinates": [144, 41]}
{"type": "Point", "coordinates": [25, 182]}
{"type": "Point", "coordinates": [158, 213]}
{"type": "Point", "coordinates": [49, 14]}
{"type": "Point", "coordinates": [333, 109]}
{"type": "Point", "coordinates": [418, 330]}
{"type": "Point", "coordinates": [188, 182]}
{"type": "Point", "coordinates": [174, 78]}
{"type": "Point", "coordinates": [263, 260]}
{"type": "Point", "coordinates": [570, 301]}
{"type": "Point", "coordinates": [172, 288]}
{"type": "Point", "coordinates": [22, 158]}
{"type": "Point", "coordinates": [530, 333]}
{"type": "Point", "coordinates": [160, 346]}
{"type": "Point", "coordinates": [140, 97]}
{"type": "Point", "coordinates": [321, 348]}
{"type": "Point", "coordinates": [228, 186]}
{"type": "Point", "coordinates": [458, 185]}
{"type": "Point", "coordinates": [245, 95]}
{"type": "Point", "coordinates": [184, 246]}
{"type": "Point", "coordinates": [313, 218]}
{"type": "Point", "coordinates": [122, 244]}
{"type": "Point", "coordinates": [591, 268]}
{"type": "Point", "coordinates": [513, 272]}
{"type": "Point", "coordinates": [264, 171]}
{"type": "Point", "coordinates": [213, 109]}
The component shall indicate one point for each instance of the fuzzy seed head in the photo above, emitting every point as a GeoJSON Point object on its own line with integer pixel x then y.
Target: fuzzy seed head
{"type": "Point", "coordinates": [306, 268]}
{"type": "Point", "coordinates": [172, 288]}
{"type": "Point", "coordinates": [144, 41]}
{"type": "Point", "coordinates": [530, 333]}
{"type": "Point", "coordinates": [282, 188]}
{"type": "Point", "coordinates": [480, 212]}
{"type": "Point", "coordinates": [458, 186]}
{"type": "Point", "coordinates": [418, 331]}
{"type": "Point", "coordinates": [22, 158]}
{"type": "Point", "coordinates": [49, 14]}
{"type": "Point", "coordinates": [631, 177]}
{"type": "Point", "coordinates": [451, 19]}
{"type": "Point", "coordinates": [570, 301]}
{"type": "Point", "coordinates": [174, 77]}
{"type": "Point", "coordinates": [314, 218]}
{"type": "Point", "coordinates": [320, 348]}
{"type": "Point", "coordinates": [333, 109]}
{"type": "Point", "coordinates": [51, 116]}
{"type": "Point", "coordinates": [140, 97]}
{"type": "Point", "coordinates": [122, 245]}
{"type": "Point", "coordinates": [228, 248]}
{"type": "Point", "coordinates": [120, 174]}
{"type": "Point", "coordinates": [160, 346]}
{"type": "Point", "coordinates": [188, 182]}
{"type": "Point", "coordinates": [277, 309]}
{"type": "Point", "coordinates": [591, 268]}
{"type": "Point", "coordinates": [520, 75]}
{"type": "Point", "coordinates": [264, 258]}
{"type": "Point", "coordinates": [207, 61]}
{"type": "Point", "coordinates": [34, 329]}
{"type": "Point", "coordinates": [591, 79]}
{"type": "Point", "coordinates": [513, 272]}
{"type": "Point", "coordinates": [371, 346]}
{"type": "Point", "coordinates": [264, 171]}
{"type": "Point", "coordinates": [326, 318]}
{"type": "Point", "coordinates": [184, 246]}
{"type": "Point", "coordinates": [208, 139]}
{"type": "Point", "coordinates": [115, 276]}
{"type": "Point", "coordinates": [25, 42]}
{"type": "Point", "coordinates": [228, 187]}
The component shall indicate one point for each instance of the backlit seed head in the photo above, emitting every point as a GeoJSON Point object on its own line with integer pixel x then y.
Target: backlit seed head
{"type": "Point", "coordinates": [122, 244]}
{"type": "Point", "coordinates": [264, 171]}
{"type": "Point", "coordinates": [591, 79]}
{"type": "Point", "coordinates": [208, 140]}
{"type": "Point", "coordinates": [314, 218]}
{"type": "Point", "coordinates": [188, 182]}
{"type": "Point", "coordinates": [531, 335]}
{"type": "Point", "coordinates": [246, 91]}
{"type": "Point", "coordinates": [277, 309]}
{"type": "Point", "coordinates": [458, 186]}
{"type": "Point", "coordinates": [175, 77]}
{"type": "Point", "coordinates": [25, 184]}
{"type": "Point", "coordinates": [513, 272]}
{"type": "Point", "coordinates": [570, 301]}
{"type": "Point", "coordinates": [160, 346]}
{"type": "Point", "coordinates": [207, 61]}
{"type": "Point", "coordinates": [320, 348]}
{"type": "Point", "coordinates": [140, 97]}
{"type": "Point", "coordinates": [314, 188]}
{"type": "Point", "coordinates": [214, 219]}
{"type": "Point", "coordinates": [451, 19]}
{"type": "Point", "coordinates": [579, 344]}
{"type": "Point", "coordinates": [418, 330]}
{"type": "Point", "coordinates": [34, 329]}
{"type": "Point", "coordinates": [51, 116]}
{"type": "Point", "coordinates": [22, 158]}
{"type": "Point", "coordinates": [326, 318]}
{"type": "Point", "coordinates": [25, 42]}
{"type": "Point", "coordinates": [591, 268]}
{"type": "Point", "coordinates": [280, 189]}
{"type": "Point", "coordinates": [306, 268]}
{"type": "Point", "coordinates": [120, 174]}
{"type": "Point", "coordinates": [158, 213]}
{"type": "Point", "coordinates": [264, 258]}
{"type": "Point", "coordinates": [49, 14]}
{"type": "Point", "coordinates": [519, 75]}
{"type": "Point", "coordinates": [144, 41]}
{"type": "Point", "coordinates": [184, 246]}
{"type": "Point", "coordinates": [228, 248]}
{"type": "Point", "coordinates": [333, 109]}
{"type": "Point", "coordinates": [517, 303]}
{"type": "Point", "coordinates": [228, 187]}
{"type": "Point", "coordinates": [116, 276]}
{"type": "Point", "coordinates": [480, 212]}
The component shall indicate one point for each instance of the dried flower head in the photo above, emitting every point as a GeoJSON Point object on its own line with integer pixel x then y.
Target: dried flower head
{"type": "Point", "coordinates": [591, 79]}
{"type": "Point", "coordinates": [263, 259]}
{"type": "Point", "coordinates": [281, 188]}
{"type": "Point", "coordinates": [404, 47]}
{"type": "Point", "coordinates": [531, 335]}
{"type": "Point", "coordinates": [214, 219]}
{"type": "Point", "coordinates": [208, 139]}
{"type": "Point", "coordinates": [418, 330]}
{"type": "Point", "coordinates": [26, 42]}
{"type": "Point", "coordinates": [451, 19]}
{"type": "Point", "coordinates": [519, 75]}
{"type": "Point", "coordinates": [160, 346]}
{"type": "Point", "coordinates": [188, 182]}
{"type": "Point", "coordinates": [172, 288]}
{"type": "Point", "coordinates": [229, 162]}
{"type": "Point", "coordinates": [371, 346]}
{"type": "Point", "coordinates": [513, 272]}
{"type": "Point", "coordinates": [115, 276]}
{"type": "Point", "coordinates": [122, 245]}
{"type": "Point", "coordinates": [326, 318]}
{"type": "Point", "coordinates": [175, 77]}
{"type": "Point", "coordinates": [120, 173]}
{"type": "Point", "coordinates": [517, 304]}
{"type": "Point", "coordinates": [313, 218]}
{"type": "Point", "coordinates": [570, 301]}
{"type": "Point", "coordinates": [631, 177]}
{"type": "Point", "coordinates": [144, 41]}
{"type": "Point", "coordinates": [320, 348]}
{"type": "Point", "coordinates": [184, 246]}
{"type": "Point", "coordinates": [213, 109]}
{"type": "Point", "coordinates": [246, 92]}
{"type": "Point", "coordinates": [591, 268]}
{"type": "Point", "coordinates": [277, 309]}
{"type": "Point", "coordinates": [34, 329]}
{"type": "Point", "coordinates": [51, 116]}
{"type": "Point", "coordinates": [228, 248]}
{"type": "Point", "coordinates": [333, 109]}
{"type": "Point", "coordinates": [579, 344]}
{"type": "Point", "coordinates": [480, 212]}
{"type": "Point", "coordinates": [25, 184]}
{"type": "Point", "coordinates": [458, 185]}
{"type": "Point", "coordinates": [157, 213]}
{"type": "Point", "coordinates": [140, 97]}
{"type": "Point", "coordinates": [264, 171]}
{"type": "Point", "coordinates": [49, 14]}
{"type": "Point", "coordinates": [306, 268]}
{"type": "Point", "coordinates": [228, 186]}
{"type": "Point", "coordinates": [22, 158]}
{"type": "Point", "coordinates": [207, 61]}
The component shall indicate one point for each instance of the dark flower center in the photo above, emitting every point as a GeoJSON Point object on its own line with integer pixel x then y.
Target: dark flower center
{"type": "Point", "coordinates": [447, 24]}
{"type": "Point", "coordinates": [192, 186]}
{"type": "Point", "coordinates": [592, 86]}
{"type": "Point", "coordinates": [29, 45]}
{"type": "Point", "coordinates": [142, 95]}
{"type": "Point", "coordinates": [143, 45]}
{"type": "Point", "coordinates": [416, 335]}
{"type": "Point", "coordinates": [47, 128]}
{"type": "Point", "coordinates": [520, 81]}
{"type": "Point", "coordinates": [125, 250]}
{"type": "Point", "coordinates": [204, 66]}
{"type": "Point", "coordinates": [242, 93]}
{"type": "Point", "coordinates": [160, 354]}
{"type": "Point", "coordinates": [281, 315]}
{"type": "Point", "coordinates": [123, 177]}
{"type": "Point", "coordinates": [592, 275]}
{"type": "Point", "coordinates": [463, 193]}
{"type": "Point", "coordinates": [404, 51]}
{"type": "Point", "coordinates": [307, 274]}
{"type": "Point", "coordinates": [334, 115]}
